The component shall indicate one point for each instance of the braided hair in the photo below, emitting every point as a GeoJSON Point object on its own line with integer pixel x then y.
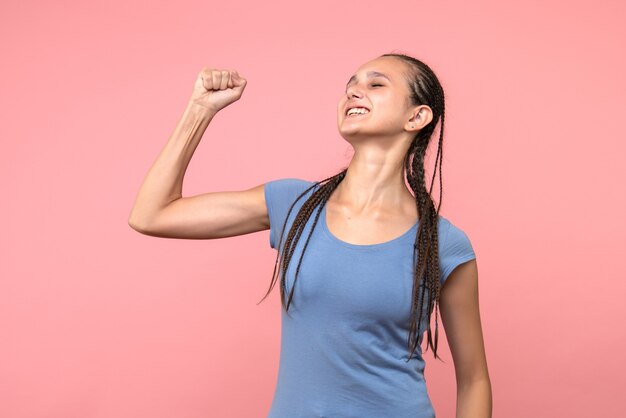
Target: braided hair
{"type": "Point", "coordinates": [425, 89]}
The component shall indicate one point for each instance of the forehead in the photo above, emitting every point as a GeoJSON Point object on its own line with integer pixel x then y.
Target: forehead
{"type": "Point", "coordinates": [385, 67]}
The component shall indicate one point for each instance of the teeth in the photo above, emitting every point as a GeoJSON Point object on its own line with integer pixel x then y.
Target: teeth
{"type": "Point", "coordinates": [359, 110]}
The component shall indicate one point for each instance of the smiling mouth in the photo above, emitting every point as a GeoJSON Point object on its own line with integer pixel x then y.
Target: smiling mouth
{"type": "Point", "coordinates": [354, 115]}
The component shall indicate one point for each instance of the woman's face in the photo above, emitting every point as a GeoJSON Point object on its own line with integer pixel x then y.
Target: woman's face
{"type": "Point", "coordinates": [380, 86]}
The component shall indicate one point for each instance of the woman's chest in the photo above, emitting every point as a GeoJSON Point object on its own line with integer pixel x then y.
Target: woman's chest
{"type": "Point", "coordinates": [345, 283]}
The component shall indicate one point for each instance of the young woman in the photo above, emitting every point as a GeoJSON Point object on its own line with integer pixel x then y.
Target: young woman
{"type": "Point", "coordinates": [374, 262]}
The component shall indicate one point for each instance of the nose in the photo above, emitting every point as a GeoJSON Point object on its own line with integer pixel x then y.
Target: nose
{"type": "Point", "coordinates": [353, 91]}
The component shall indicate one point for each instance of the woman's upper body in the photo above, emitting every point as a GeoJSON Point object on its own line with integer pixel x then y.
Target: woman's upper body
{"type": "Point", "coordinates": [344, 338]}
{"type": "Point", "coordinates": [356, 288]}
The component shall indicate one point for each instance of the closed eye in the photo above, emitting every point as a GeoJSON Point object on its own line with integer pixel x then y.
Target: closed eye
{"type": "Point", "coordinates": [373, 85]}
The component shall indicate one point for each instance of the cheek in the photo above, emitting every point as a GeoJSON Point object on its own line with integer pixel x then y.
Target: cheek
{"type": "Point", "coordinates": [388, 109]}
{"type": "Point", "coordinates": [392, 106]}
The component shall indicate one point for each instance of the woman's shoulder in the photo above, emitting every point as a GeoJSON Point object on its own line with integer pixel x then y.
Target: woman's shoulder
{"type": "Point", "coordinates": [450, 233]}
{"type": "Point", "coordinates": [280, 195]}
{"type": "Point", "coordinates": [287, 187]}
{"type": "Point", "coordinates": [455, 247]}
{"type": "Point", "coordinates": [447, 224]}
{"type": "Point", "coordinates": [291, 182]}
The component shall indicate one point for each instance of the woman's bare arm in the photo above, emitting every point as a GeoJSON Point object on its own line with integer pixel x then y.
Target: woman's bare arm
{"type": "Point", "coordinates": [160, 210]}
{"type": "Point", "coordinates": [460, 314]}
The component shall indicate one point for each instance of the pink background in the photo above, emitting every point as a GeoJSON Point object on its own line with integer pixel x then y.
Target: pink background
{"type": "Point", "coordinates": [97, 320]}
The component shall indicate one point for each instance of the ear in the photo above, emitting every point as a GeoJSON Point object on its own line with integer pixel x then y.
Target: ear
{"type": "Point", "coordinates": [422, 116]}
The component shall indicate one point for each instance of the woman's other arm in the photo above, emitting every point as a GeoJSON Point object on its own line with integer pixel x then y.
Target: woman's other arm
{"type": "Point", "coordinates": [460, 315]}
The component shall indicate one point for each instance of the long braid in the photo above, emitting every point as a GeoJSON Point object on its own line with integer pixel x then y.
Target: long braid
{"type": "Point", "coordinates": [318, 198]}
{"type": "Point", "coordinates": [425, 89]}
{"type": "Point", "coordinates": [418, 186]}
{"type": "Point", "coordinates": [439, 103]}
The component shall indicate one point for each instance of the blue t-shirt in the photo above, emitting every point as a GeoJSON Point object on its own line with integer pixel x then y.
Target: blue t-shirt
{"type": "Point", "coordinates": [344, 340]}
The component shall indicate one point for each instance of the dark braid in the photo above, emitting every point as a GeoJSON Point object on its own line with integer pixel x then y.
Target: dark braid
{"type": "Point", "coordinates": [328, 185]}
{"type": "Point", "coordinates": [425, 89]}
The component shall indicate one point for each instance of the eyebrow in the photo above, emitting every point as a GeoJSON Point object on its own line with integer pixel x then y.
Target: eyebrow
{"type": "Point", "coordinates": [369, 74]}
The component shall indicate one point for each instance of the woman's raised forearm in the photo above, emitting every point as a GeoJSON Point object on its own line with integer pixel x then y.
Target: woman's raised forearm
{"type": "Point", "coordinates": [213, 90]}
{"type": "Point", "coordinates": [164, 181]}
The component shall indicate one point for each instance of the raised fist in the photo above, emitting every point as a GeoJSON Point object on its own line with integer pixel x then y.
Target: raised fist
{"type": "Point", "coordinates": [216, 89]}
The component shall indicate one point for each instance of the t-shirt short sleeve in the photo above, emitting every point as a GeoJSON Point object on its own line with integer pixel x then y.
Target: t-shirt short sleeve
{"type": "Point", "coordinates": [455, 249]}
{"type": "Point", "coordinates": [279, 195]}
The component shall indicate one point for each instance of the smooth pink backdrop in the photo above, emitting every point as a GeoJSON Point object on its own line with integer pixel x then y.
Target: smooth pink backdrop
{"type": "Point", "coordinates": [99, 321]}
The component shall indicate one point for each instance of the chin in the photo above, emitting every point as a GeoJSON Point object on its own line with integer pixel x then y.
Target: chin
{"type": "Point", "coordinates": [354, 133]}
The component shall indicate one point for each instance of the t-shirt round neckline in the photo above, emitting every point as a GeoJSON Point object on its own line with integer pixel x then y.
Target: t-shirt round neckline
{"type": "Point", "coordinates": [329, 234]}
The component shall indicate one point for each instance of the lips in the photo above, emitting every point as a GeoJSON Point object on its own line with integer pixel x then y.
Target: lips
{"type": "Point", "coordinates": [357, 114]}
{"type": "Point", "coordinates": [353, 105]}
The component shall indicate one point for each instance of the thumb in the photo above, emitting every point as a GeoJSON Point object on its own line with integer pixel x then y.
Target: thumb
{"type": "Point", "coordinates": [238, 80]}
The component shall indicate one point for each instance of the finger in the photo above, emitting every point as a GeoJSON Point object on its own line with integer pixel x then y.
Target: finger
{"type": "Point", "coordinates": [206, 79]}
{"type": "Point", "coordinates": [216, 79]}
{"type": "Point", "coordinates": [224, 80]}
{"type": "Point", "coordinates": [230, 79]}
{"type": "Point", "coordinates": [236, 78]}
